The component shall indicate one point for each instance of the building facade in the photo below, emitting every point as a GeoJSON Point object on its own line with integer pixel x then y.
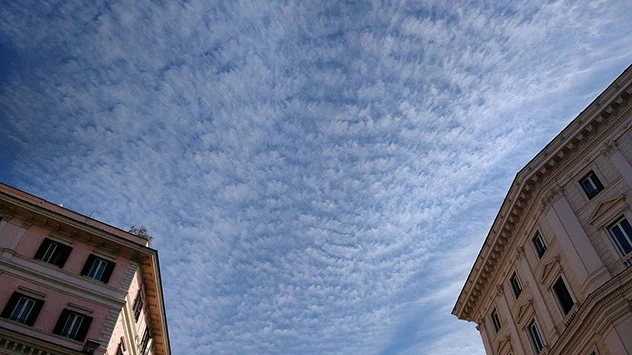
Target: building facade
{"type": "Point", "coordinates": [72, 285]}
{"type": "Point", "coordinates": [553, 275]}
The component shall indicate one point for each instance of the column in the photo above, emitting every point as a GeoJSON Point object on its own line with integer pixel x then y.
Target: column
{"type": "Point", "coordinates": [619, 161]}
{"type": "Point", "coordinates": [573, 239]}
{"type": "Point", "coordinates": [484, 335]}
{"type": "Point", "coordinates": [540, 305]}
{"type": "Point", "coordinates": [509, 321]}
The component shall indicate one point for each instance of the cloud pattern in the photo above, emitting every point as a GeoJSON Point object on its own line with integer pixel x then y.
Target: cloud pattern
{"type": "Point", "coordinates": [318, 176]}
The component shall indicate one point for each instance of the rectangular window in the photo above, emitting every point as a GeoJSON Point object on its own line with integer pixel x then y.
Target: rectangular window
{"type": "Point", "coordinates": [621, 233]}
{"type": "Point", "coordinates": [138, 305]}
{"type": "Point", "coordinates": [53, 252]}
{"type": "Point", "coordinates": [496, 320]}
{"type": "Point", "coordinates": [98, 268]}
{"type": "Point", "coordinates": [516, 285]}
{"type": "Point", "coordinates": [145, 341]}
{"type": "Point", "coordinates": [563, 296]}
{"type": "Point", "coordinates": [73, 325]}
{"type": "Point", "coordinates": [591, 184]}
{"type": "Point", "coordinates": [539, 244]}
{"type": "Point", "coordinates": [22, 308]}
{"type": "Point", "coordinates": [535, 336]}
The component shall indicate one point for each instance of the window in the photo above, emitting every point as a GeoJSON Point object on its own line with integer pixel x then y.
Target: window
{"type": "Point", "coordinates": [495, 320]}
{"type": "Point", "coordinates": [539, 244]}
{"type": "Point", "coordinates": [53, 252]}
{"type": "Point", "coordinates": [98, 268]}
{"type": "Point", "coordinates": [516, 285]}
{"type": "Point", "coordinates": [535, 336]}
{"type": "Point", "coordinates": [73, 325]}
{"type": "Point", "coordinates": [22, 308]}
{"type": "Point", "coordinates": [145, 341]}
{"type": "Point", "coordinates": [591, 184]}
{"type": "Point", "coordinates": [119, 350]}
{"type": "Point", "coordinates": [621, 233]}
{"type": "Point", "coordinates": [138, 305]}
{"type": "Point", "coordinates": [563, 296]}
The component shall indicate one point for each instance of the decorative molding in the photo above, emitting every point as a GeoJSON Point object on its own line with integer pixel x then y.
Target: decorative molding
{"type": "Point", "coordinates": [607, 206]}
{"type": "Point", "coordinates": [575, 141]}
{"type": "Point", "coordinates": [79, 308]}
{"type": "Point", "coordinates": [609, 147]}
{"type": "Point", "coordinates": [549, 269]}
{"type": "Point", "coordinates": [60, 238]}
{"type": "Point", "coordinates": [31, 292]}
{"type": "Point", "coordinates": [524, 309]}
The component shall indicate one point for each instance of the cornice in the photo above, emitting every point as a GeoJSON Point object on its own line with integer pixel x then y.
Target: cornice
{"type": "Point", "coordinates": [610, 108]}
{"type": "Point", "coordinates": [73, 226]}
{"type": "Point", "coordinates": [150, 269]}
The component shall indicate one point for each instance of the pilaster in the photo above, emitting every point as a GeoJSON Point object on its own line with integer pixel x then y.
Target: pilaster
{"type": "Point", "coordinates": [485, 336]}
{"type": "Point", "coordinates": [544, 314]}
{"type": "Point", "coordinates": [503, 305]}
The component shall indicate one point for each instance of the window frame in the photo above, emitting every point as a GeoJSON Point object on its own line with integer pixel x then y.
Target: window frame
{"type": "Point", "coordinates": [496, 322]}
{"type": "Point", "coordinates": [14, 302]}
{"type": "Point", "coordinates": [627, 235]}
{"type": "Point", "coordinates": [139, 303]}
{"type": "Point", "coordinates": [516, 287]}
{"type": "Point", "coordinates": [596, 183]}
{"type": "Point", "coordinates": [536, 246]}
{"type": "Point", "coordinates": [81, 330]}
{"type": "Point", "coordinates": [57, 257]}
{"type": "Point", "coordinates": [104, 275]}
{"type": "Point", "coordinates": [557, 297]}
{"type": "Point", "coordinates": [539, 343]}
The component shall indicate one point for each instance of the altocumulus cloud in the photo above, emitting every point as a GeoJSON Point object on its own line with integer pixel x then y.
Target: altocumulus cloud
{"type": "Point", "coordinates": [318, 176]}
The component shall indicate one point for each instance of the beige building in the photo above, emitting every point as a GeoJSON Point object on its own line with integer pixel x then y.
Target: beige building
{"type": "Point", "coordinates": [72, 285]}
{"type": "Point", "coordinates": [554, 275]}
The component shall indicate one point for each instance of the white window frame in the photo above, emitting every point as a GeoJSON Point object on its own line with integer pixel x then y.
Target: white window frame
{"type": "Point", "coordinates": [613, 239]}
{"type": "Point", "coordinates": [22, 309]}
{"type": "Point", "coordinates": [496, 323]}
{"type": "Point", "coordinates": [519, 284]}
{"type": "Point", "coordinates": [97, 269]}
{"type": "Point", "coordinates": [538, 235]}
{"type": "Point", "coordinates": [538, 332]}
{"type": "Point", "coordinates": [587, 176]}
{"type": "Point", "coordinates": [73, 325]}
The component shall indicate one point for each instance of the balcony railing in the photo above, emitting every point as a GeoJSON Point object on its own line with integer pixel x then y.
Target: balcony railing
{"type": "Point", "coordinates": [627, 260]}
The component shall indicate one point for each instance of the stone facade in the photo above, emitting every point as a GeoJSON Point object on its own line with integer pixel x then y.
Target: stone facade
{"type": "Point", "coordinates": [74, 285]}
{"type": "Point", "coordinates": [553, 275]}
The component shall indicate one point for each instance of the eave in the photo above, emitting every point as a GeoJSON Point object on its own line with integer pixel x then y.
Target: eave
{"type": "Point", "coordinates": [549, 163]}
{"type": "Point", "coordinates": [36, 211]}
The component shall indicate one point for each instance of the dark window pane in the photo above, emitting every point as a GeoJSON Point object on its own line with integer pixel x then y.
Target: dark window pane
{"type": "Point", "coordinates": [566, 301]}
{"type": "Point", "coordinates": [591, 185]}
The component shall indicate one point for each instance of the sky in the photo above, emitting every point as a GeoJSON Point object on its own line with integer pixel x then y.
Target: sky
{"type": "Point", "coordinates": [318, 176]}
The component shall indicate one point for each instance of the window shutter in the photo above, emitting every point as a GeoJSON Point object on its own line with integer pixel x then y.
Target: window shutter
{"type": "Point", "coordinates": [88, 265]}
{"type": "Point", "coordinates": [59, 327]}
{"type": "Point", "coordinates": [63, 255]}
{"type": "Point", "coordinates": [85, 325]}
{"type": "Point", "coordinates": [37, 307]}
{"type": "Point", "coordinates": [108, 272]}
{"type": "Point", "coordinates": [13, 300]}
{"type": "Point", "coordinates": [42, 249]}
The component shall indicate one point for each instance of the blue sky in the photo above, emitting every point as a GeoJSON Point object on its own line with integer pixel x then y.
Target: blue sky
{"type": "Point", "coordinates": [318, 176]}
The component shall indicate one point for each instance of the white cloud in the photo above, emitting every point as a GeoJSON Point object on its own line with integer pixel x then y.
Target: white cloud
{"type": "Point", "coordinates": [318, 177]}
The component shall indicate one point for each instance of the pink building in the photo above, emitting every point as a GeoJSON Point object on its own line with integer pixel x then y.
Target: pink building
{"type": "Point", "coordinates": [73, 285]}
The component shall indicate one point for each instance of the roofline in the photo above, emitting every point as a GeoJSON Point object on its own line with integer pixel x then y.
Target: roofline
{"type": "Point", "coordinates": [63, 211]}
{"type": "Point", "coordinates": [77, 220]}
{"type": "Point", "coordinates": [602, 102]}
